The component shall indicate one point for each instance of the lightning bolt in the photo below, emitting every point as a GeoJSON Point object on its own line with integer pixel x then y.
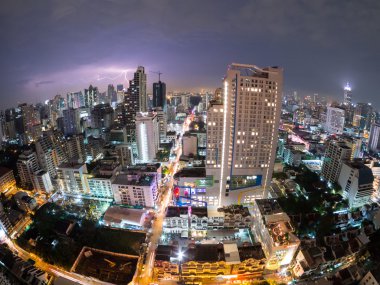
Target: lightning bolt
{"type": "Point", "coordinates": [124, 72]}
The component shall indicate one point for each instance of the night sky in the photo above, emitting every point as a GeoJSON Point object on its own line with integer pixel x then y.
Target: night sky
{"type": "Point", "coordinates": [55, 47]}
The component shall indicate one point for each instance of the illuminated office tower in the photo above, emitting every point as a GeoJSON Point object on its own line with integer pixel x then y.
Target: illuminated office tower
{"type": "Point", "coordinates": [147, 136]}
{"type": "Point", "coordinates": [347, 94]}
{"type": "Point", "coordinates": [242, 134]}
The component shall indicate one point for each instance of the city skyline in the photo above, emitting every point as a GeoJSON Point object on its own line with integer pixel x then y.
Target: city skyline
{"type": "Point", "coordinates": [60, 47]}
{"type": "Point", "coordinates": [185, 142]}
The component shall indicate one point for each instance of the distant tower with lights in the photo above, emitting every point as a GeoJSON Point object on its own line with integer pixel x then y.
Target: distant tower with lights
{"type": "Point", "coordinates": [347, 100]}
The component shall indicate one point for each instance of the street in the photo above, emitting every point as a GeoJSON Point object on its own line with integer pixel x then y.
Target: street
{"type": "Point", "coordinates": [144, 272]}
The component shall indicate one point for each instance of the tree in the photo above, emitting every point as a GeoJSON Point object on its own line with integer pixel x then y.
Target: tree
{"type": "Point", "coordinates": [280, 175]}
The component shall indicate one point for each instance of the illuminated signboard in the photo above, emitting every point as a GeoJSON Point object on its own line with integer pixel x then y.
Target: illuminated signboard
{"type": "Point", "coordinates": [206, 182]}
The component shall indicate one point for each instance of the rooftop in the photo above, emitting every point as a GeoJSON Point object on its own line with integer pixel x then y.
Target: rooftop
{"type": "Point", "coordinates": [205, 253]}
{"type": "Point", "coordinates": [268, 206]}
{"type": "Point", "coordinates": [254, 251]}
{"type": "Point", "coordinates": [191, 172]}
{"type": "Point", "coordinates": [147, 167]}
{"type": "Point", "coordinates": [143, 180]}
{"type": "Point", "coordinates": [106, 266]}
{"type": "Point", "coordinates": [231, 253]}
{"type": "Point", "coordinates": [365, 173]}
{"type": "Point", "coordinates": [71, 165]}
{"type": "Point", "coordinates": [116, 214]}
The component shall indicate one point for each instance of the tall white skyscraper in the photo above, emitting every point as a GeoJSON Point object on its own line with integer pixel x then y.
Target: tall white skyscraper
{"type": "Point", "coordinates": [242, 133]}
{"type": "Point", "coordinates": [147, 136]}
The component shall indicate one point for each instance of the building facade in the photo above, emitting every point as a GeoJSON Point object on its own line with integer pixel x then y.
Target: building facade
{"type": "Point", "coordinates": [356, 180]}
{"type": "Point", "coordinates": [135, 190]}
{"type": "Point", "coordinates": [242, 132]}
{"type": "Point", "coordinates": [71, 178]}
{"type": "Point", "coordinates": [374, 138]}
{"type": "Point", "coordinates": [27, 164]}
{"type": "Point", "coordinates": [334, 120]}
{"type": "Point", "coordinates": [147, 136]}
{"type": "Point", "coordinates": [275, 232]}
{"type": "Point", "coordinates": [336, 153]}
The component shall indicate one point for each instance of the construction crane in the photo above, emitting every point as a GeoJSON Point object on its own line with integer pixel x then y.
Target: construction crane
{"type": "Point", "coordinates": [159, 74]}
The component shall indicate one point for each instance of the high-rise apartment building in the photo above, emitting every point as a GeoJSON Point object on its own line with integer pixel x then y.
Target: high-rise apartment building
{"type": "Point", "coordinates": [137, 90]}
{"type": "Point", "coordinates": [42, 181]}
{"type": "Point", "coordinates": [336, 153]}
{"type": "Point", "coordinates": [75, 148]}
{"type": "Point", "coordinates": [50, 154]}
{"type": "Point", "coordinates": [135, 101]}
{"type": "Point", "coordinates": [102, 116]}
{"type": "Point", "coordinates": [374, 138]}
{"type": "Point", "coordinates": [27, 164]}
{"type": "Point", "coordinates": [71, 122]}
{"type": "Point", "coordinates": [356, 180]}
{"type": "Point", "coordinates": [159, 95]}
{"type": "Point", "coordinates": [364, 116]}
{"type": "Point", "coordinates": [75, 100]}
{"type": "Point", "coordinates": [7, 180]}
{"type": "Point", "coordinates": [91, 96]}
{"type": "Point", "coordinates": [71, 178]}
{"type": "Point", "coordinates": [334, 120]}
{"type": "Point", "coordinates": [162, 122]}
{"type": "Point", "coordinates": [147, 136]}
{"type": "Point", "coordinates": [242, 134]}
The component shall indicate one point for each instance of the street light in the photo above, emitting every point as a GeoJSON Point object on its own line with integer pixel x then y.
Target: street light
{"type": "Point", "coordinates": [180, 255]}
{"type": "Point", "coordinates": [180, 258]}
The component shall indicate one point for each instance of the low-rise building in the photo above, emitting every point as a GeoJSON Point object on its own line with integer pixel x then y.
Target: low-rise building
{"type": "Point", "coordinates": [200, 219]}
{"type": "Point", "coordinates": [136, 190]}
{"type": "Point", "coordinates": [292, 156]}
{"type": "Point", "coordinates": [208, 261]}
{"type": "Point", "coordinates": [371, 278]}
{"type": "Point", "coordinates": [24, 201]}
{"type": "Point", "coordinates": [122, 217]}
{"type": "Point", "coordinates": [275, 232]}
